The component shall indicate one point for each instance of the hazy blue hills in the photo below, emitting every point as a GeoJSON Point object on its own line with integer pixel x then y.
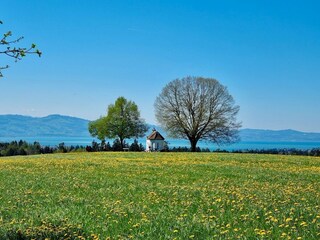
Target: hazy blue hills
{"type": "Point", "coordinates": [52, 125]}
{"type": "Point", "coordinates": [288, 135]}
{"type": "Point", "coordinates": [66, 126]}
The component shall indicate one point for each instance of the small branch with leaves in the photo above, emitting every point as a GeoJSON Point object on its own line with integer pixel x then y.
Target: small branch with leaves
{"type": "Point", "coordinates": [15, 52]}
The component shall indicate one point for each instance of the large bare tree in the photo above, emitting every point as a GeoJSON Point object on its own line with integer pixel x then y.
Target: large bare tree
{"type": "Point", "coordinates": [197, 108]}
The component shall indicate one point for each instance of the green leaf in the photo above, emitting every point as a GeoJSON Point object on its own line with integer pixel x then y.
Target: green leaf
{"type": "Point", "coordinates": [8, 34]}
{"type": "Point", "coordinates": [39, 52]}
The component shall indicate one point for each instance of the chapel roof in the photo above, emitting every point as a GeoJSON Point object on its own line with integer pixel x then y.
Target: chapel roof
{"type": "Point", "coordinates": [155, 135]}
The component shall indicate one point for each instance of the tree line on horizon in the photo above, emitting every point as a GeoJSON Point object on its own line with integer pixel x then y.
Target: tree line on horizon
{"type": "Point", "coordinates": [21, 147]}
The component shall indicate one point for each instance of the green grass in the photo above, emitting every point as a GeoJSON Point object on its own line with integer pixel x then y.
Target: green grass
{"type": "Point", "coordinates": [159, 196]}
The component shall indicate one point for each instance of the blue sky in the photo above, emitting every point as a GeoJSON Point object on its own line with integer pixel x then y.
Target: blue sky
{"type": "Point", "coordinates": [266, 52]}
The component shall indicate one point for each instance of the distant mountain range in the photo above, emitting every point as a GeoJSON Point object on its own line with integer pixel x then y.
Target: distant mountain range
{"type": "Point", "coordinates": [66, 126]}
{"type": "Point", "coordinates": [288, 135]}
{"type": "Point", "coordinates": [52, 125]}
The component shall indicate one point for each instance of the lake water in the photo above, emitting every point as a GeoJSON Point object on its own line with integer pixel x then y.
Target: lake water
{"type": "Point", "coordinates": [243, 145]}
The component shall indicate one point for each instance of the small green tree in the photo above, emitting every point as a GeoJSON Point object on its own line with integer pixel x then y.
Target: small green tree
{"type": "Point", "coordinates": [8, 48]}
{"type": "Point", "coordinates": [136, 147]}
{"type": "Point", "coordinates": [122, 121]}
{"type": "Point", "coordinates": [116, 145]}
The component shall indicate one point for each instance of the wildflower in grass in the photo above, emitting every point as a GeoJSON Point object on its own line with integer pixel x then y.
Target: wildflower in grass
{"type": "Point", "coordinates": [288, 219]}
{"type": "Point", "coordinates": [304, 224]}
{"type": "Point", "coordinates": [224, 231]}
{"type": "Point", "coordinates": [136, 225]}
{"type": "Point", "coordinates": [223, 196]}
{"type": "Point", "coordinates": [94, 236]}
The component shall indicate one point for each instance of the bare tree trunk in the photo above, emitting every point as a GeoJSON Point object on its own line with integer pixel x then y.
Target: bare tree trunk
{"type": "Point", "coordinates": [193, 143]}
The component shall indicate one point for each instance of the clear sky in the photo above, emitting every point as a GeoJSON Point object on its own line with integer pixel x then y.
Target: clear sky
{"type": "Point", "coordinates": [266, 52]}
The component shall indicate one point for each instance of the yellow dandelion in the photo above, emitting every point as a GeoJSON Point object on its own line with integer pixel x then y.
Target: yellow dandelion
{"type": "Point", "coordinates": [288, 219]}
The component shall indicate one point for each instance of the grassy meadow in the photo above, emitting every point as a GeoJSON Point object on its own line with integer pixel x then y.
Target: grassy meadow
{"type": "Point", "coordinates": [159, 196]}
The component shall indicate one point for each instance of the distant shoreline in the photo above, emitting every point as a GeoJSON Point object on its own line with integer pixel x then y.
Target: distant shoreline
{"type": "Point", "coordinates": [242, 145]}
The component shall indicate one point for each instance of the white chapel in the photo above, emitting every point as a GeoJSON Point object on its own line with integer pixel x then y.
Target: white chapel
{"type": "Point", "coordinates": [155, 141]}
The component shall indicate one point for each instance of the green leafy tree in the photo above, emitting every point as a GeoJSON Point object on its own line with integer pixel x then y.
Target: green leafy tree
{"type": "Point", "coordinates": [116, 145]}
{"type": "Point", "coordinates": [8, 47]}
{"type": "Point", "coordinates": [197, 108]}
{"type": "Point", "coordinates": [122, 121]}
{"type": "Point", "coordinates": [136, 147]}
